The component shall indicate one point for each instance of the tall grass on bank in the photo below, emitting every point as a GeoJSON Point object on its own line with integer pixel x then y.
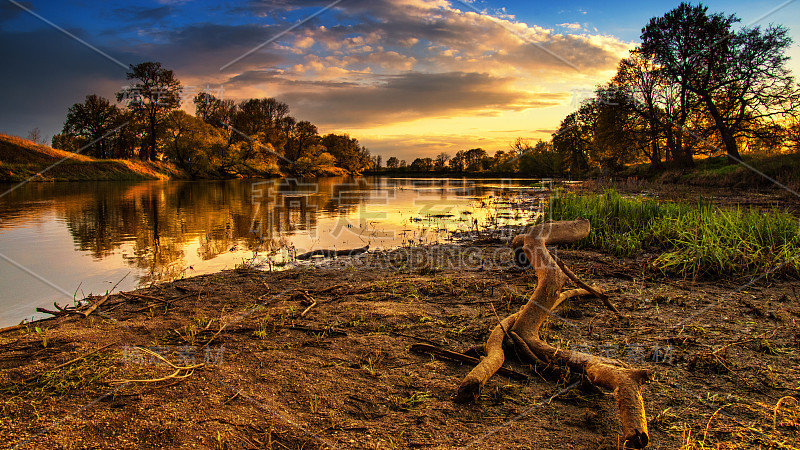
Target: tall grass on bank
{"type": "Point", "coordinates": [694, 240]}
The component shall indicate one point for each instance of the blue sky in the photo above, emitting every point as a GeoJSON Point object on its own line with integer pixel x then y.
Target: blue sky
{"type": "Point", "coordinates": [406, 77]}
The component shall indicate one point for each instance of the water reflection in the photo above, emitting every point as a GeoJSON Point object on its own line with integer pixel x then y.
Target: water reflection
{"type": "Point", "coordinates": [164, 230]}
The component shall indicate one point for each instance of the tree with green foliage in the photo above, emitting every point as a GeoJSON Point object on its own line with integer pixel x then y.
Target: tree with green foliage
{"type": "Point", "coordinates": [155, 93]}
{"type": "Point", "coordinates": [572, 144]}
{"type": "Point", "coordinates": [266, 117]}
{"type": "Point", "coordinates": [92, 121]}
{"type": "Point", "coordinates": [303, 141]}
{"type": "Point", "coordinates": [193, 145]}
{"type": "Point", "coordinates": [349, 154]}
{"type": "Point", "coordinates": [618, 137]}
{"type": "Point", "coordinates": [538, 160]}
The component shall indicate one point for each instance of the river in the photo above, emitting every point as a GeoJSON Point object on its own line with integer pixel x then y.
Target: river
{"type": "Point", "coordinates": [60, 241]}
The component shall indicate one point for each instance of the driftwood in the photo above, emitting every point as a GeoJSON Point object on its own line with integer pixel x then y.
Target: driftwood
{"type": "Point", "coordinates": [327, 253]}
{"type": "Point", "coordinates": [59, 310]}
{"type": "Point", "coordinates": [523, 326]}
{"type": "Point", "coordinates": [95, 305]}
{"type": "Point", "coordinates": [14, 327]}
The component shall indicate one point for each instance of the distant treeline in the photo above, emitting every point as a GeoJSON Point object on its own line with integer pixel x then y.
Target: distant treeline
{"type": "Point", "coordinates": [694, 87]}
{"type": "Point", "coordinates": [255, 137]}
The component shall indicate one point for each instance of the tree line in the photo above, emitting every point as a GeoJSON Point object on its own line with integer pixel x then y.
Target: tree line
{"type": "Point", "coordinates": [695, 86]}
{"type": "Point", "coordinates": [255, 137]}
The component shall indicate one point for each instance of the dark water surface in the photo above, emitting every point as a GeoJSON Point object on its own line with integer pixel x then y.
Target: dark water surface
{"type": "Point", "coordinates": [59, 240]}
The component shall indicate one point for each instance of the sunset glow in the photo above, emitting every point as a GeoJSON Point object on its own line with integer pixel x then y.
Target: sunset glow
{"type": "Point", "coordinates": [407, 78]}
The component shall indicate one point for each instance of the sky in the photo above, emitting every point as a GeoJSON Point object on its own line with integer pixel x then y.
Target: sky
{"type": "Point", "coordinates": [407, 78]}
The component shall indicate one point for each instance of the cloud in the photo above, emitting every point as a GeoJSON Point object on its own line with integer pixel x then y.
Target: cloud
{"type": "Point", "coordinates": [58, 71]}
{"type": "Point", "coordinates": [571, 26]}
{"type": "Point", "coordinates": [198, 51]}
{"type": "Point", "coordinates": [131, 13]}
{"type": "Point", "coordinates": [456, 40]}
{"type": "Point", "coordinates": [411, 96]}
{"type": "Point", "coordinates": [359, 64]}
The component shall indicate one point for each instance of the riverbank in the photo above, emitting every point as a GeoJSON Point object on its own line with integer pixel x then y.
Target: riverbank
{"type": "Point", "coordinates": [755, 172]}
{"type": "Point", "coordinates": [21, 159]}
{"type": "Point", "coordinates": [320, 356]}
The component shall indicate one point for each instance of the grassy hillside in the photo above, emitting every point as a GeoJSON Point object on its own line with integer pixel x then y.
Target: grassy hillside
{"type": "Point", "coordinates": [717, 172]}
{"type": "Point", "coordinates": [21, 159]}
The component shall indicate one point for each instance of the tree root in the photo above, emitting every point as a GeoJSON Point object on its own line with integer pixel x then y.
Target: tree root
{"type": "Point", "coordinates": [523, 329]}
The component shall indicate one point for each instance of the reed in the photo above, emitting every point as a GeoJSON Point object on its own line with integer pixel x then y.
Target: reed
{"type": "Point", "coordinates": [699, 240]}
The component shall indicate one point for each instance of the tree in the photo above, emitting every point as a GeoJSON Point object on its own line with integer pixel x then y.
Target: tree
{"type": "Point", "coordinates": [155, 93]}
{"type": "Point", "coordinates": [618, 134]}
{"type": "Point", "coordinates": [303, 138]}
{"type": "Point", "coordinates": [192, 144]}
{"type": "Point", "coordinates": [92, 120]}
{"type": "Point", "coordinates": [643, 82]}
{"type": "Point", "coordinates": [348, 153]}
{"type": "Point", "coordinates": [458, 162]}
{"type": "Point", "coordinates": [67, 142]}
{"type": "Point", "coordinates": [474, 159]}
{"type": "Point", "coordinates": [35, 136]}
{"type": "Point", "coordinates": [268, 118]}
{"type": "Point", "coordinates": [323, 164]}
{"type": "Point", "coordinates": [793, 135]}
{"type": "Point", "coordinates": [422, 165]}
{"type": "Point", "coordinates": [212, 110]}
{"type": "Point", "coordinates": [740, 77]}
{"type": "Point", "coordinates": [539, 160]}
{"type": "Point", "coordinates": [441, 161]}
{"type": "Point", "coordinates": [571, 142]}
{"type": "Point", "coordinates": [392, 162]}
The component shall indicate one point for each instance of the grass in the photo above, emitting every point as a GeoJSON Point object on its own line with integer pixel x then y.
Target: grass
{"type": "Point", "coordinates": [694, 240]}
{"type": "Point", "coordinates": [21, 159]}
{"type": "Point", "coordinates": [767, 426]}
{"type": "Point", "coordinates": [62, 381]}
{"type": "Point", "coordinates": [42, 333]}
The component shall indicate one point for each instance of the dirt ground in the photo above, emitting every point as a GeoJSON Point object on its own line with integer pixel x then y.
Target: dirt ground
{"type": "Point", "coordinates": [320, 357]}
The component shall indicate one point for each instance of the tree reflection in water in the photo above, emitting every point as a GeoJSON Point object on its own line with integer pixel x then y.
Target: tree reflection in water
{"type": "Point", "coordinates": [164, 230]}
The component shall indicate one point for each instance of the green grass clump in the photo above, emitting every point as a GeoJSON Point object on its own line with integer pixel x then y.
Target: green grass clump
{"type": "Point", "coordinates": [62, 381]}
{"type": "Point", "coordinates": [695, 240]}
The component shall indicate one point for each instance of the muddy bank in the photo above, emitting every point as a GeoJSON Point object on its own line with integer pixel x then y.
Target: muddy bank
{"type": "Point", "coordinates": [320, 357]}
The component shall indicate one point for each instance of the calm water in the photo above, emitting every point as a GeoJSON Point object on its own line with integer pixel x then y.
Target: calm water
{"type": "Point", "coordinates": [59, 240]}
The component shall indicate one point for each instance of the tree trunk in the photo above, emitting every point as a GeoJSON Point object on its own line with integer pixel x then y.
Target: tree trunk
{"type": "Point", "coordinates": [523, 329]}
{"type": "Point", "coordinates": [731, 147]}
{"type": "Point", "coordinates": [725, 132]}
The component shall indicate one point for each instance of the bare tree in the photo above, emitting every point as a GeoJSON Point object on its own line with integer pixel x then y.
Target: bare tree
{"type": "Point", "coordinates": [740, 77]}
{"type": "Point", "coordinates": [35, 136]}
